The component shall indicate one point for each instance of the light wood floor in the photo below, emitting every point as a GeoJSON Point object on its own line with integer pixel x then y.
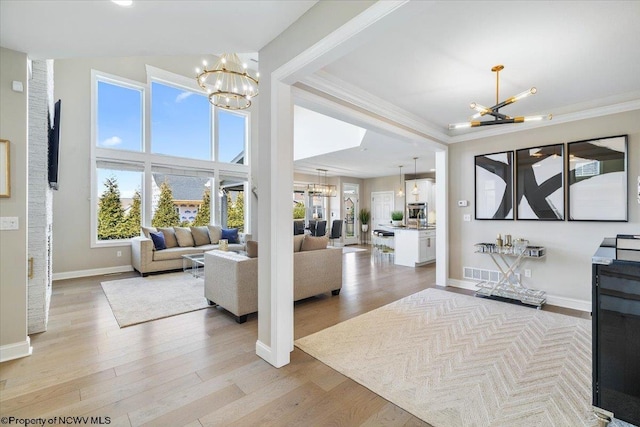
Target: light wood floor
{"type": "Point", "coordinates": [200, 368]}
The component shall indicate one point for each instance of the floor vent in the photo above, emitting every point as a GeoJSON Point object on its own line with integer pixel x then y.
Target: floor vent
{"type": "Point", "coordinates": [479, 274]}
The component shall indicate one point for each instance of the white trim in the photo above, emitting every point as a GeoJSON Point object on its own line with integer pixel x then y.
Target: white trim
{"type": "Point", "coordinates": [16, 350]}
{"type": "Point", "coordinates": [286, 72]}
{"type": "Point", "coordinates": [346, 92]}
{"type": "Point", "coordinates": [265, 352]}
{"type": "Point", "coordinates": [572, 303]}
{"type": "Point", "coordinates": [92, 272]}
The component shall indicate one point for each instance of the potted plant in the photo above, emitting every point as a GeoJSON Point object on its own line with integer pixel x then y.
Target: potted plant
{"type": "Point", "coordinates": [396, 218]}
{"type": "Point", "coordinates": [364, 216]}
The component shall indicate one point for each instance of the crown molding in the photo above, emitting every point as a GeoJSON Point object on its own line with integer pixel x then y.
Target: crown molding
{"type": "Point", "coordinates": [337, 88]}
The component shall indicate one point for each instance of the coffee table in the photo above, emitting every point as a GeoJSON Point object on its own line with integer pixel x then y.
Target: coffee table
{"type": "Point", "coordinates": [194, 263]}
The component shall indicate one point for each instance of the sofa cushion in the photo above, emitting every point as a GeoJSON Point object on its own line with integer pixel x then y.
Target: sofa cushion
{"type": "Point", "coordinates": [215, 233]}
{"type": "Point", "coordinates": [311, 243]}
{"type": "Point", "coordinates": [174, 253]}
{"type": "Point", "coordinates": [297, 242]}
{"type": "Point", "coordinates": [183, 234]}
{"type": "Point", "coordinates": [231, 234]}
{"type": "Point", "coordinates": [200, 235]}
{"type": "Point", "coordinates": [252, 249]}
{"type": "Point", "coordinates": [169, 236]}
{"type": "Point", "coordinates": [147, 230]}
{"type": "Point", "coordinates": [158, 240]}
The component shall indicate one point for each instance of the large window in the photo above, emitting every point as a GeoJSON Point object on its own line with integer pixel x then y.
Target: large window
{"type": "Point", "coordinates": [166, 178]}
{"type": "Point", "coordinates": [119, 116]}
{"type": "Point", "coordinates": [180, 122]}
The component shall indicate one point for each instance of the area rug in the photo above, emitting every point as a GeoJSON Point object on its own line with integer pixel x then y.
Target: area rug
{"type": "Point", "coordinates": [141, 299]}
{"type": "Point", "coordinates": [457, 360]}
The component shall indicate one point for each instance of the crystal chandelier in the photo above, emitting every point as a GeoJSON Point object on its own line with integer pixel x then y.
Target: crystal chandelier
{"type": "Point", "coordinates": [228, 83]}
{"type": "Point", "coordinates": [322, 189]}
{"type": "Point", "coordinates": [499, 118]}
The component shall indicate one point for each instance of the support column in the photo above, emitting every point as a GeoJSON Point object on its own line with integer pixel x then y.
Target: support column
{"type": "Point", "coordinates": [442, 215]}
{"type": "Point", "coordinates": [275, 263]}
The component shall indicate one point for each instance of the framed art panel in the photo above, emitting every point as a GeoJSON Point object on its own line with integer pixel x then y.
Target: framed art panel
{"type": "Point", "coordinates": [597, 179]}
{"type": "Point", "coordinates": [494, 186]}
{"type": "Point", "coordinates": [540, 183]}
{"type": "Point", "coordinates": [5, 169]}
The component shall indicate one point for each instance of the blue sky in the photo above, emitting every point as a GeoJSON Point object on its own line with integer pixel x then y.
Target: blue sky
{"type": "Point", "coordinates": [181, 124]}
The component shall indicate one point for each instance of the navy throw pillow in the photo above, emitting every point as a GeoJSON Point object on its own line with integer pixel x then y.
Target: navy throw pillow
{"type": "Point", "coordinates": [231, 234]}
{"type": "Point", "coordinates": [158, 240]}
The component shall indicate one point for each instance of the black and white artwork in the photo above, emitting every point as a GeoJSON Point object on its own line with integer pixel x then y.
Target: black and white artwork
{"type": "Point", "coordinates": [598, 179]}
{"type": "Point", "coordinates": [494, 186]}
{"type": "Point", "coordinates": [540, 183]}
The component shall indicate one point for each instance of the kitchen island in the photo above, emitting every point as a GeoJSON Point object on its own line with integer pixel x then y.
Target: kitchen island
{"type": "Point", "coordinates": [413, 247]}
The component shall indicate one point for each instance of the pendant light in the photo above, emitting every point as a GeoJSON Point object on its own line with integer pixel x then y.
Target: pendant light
{"type": "Point", "coordinates": [415, 190]}
{"type": "Point", "coordinates": [400, 191]}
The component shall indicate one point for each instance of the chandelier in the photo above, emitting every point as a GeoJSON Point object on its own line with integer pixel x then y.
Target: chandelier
{"type": "Point", "coordinates": [499, 118]}
{"type": "Point", "coordinates": [228, 83]}
{"type": "Point", "coordinates": [322, 189]}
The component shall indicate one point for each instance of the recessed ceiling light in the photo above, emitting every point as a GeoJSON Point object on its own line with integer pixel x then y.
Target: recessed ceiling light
{"type": "Point", "coordinates": [432, 170]}
{"type": "Point", "coordinates": [123, 3]}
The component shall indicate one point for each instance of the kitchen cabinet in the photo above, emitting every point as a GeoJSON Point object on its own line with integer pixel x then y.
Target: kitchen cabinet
{"type": "Point", "coordinates": [414, 247]}
{"type": "Point", "coordinates": [426, 187]}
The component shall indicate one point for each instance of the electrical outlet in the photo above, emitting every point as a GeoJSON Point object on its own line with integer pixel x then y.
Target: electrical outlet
{"type": "Point", "coordinates": [119, 253]}
{"type": "Point", "coordinates": [527, 273]}
{"type": "Point", "coordinates": [466, 217]}
{"type": "Point", "coordinates": [9, 223]}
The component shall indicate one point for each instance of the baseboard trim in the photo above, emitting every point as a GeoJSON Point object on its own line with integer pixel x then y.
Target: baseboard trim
{"type": "Point", "coordinates": [572, 303]}
{"type": "Point", "coordinates": [16, 350]}
{"type": "Point", "coordinates": [264, 351]}
{"type": "Point", "coordinates": [92, 272]}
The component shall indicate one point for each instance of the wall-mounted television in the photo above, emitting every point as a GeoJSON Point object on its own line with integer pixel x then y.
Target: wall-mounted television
{"type": "Point", "coordinates": [54, 147]}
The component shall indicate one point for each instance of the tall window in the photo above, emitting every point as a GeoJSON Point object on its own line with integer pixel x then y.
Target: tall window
{"type": "Point", "coordinates": [232, 131]}
{"type": "Point", "coordinates": [119, 114]}
{"type": "Point", "coordinates": [180, 122]}
{"type": "Point", "coordinates": [170, 177]}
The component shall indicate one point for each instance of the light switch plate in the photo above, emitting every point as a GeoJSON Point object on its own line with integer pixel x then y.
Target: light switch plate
{"type": "Point", "coordinates": [9, 223]}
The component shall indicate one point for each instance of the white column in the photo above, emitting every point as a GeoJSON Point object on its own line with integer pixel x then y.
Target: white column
{"type": "Point", "coordinates": [442, 215]}
{"type": "Point", "coordinates": [275, 263]}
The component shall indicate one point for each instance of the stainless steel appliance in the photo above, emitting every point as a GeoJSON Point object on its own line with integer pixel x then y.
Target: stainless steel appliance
{"type": "Point", "coordinates": [416, 214]}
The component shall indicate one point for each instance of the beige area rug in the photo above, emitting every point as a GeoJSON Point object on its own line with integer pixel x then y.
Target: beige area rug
{"type": "Point", "coordinates": [141, 299]}
{"type": "Point", "coordinates": [457, 360]}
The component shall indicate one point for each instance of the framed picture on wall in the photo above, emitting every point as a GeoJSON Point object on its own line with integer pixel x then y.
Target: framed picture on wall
{"type": "Point", "coordinates": [597, 179]}
{"type": "Point", "coordinates": [540, 183]}
{"type": "Point", "coordinates": [494, 186]}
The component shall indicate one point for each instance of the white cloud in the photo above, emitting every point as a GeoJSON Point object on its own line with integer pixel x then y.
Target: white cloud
{"type": "Point", "coordinates": [110, 142]}
{"type": "Point", "coordinates": [183, 96]}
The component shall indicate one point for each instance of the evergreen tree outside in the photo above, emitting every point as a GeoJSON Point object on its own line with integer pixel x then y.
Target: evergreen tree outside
{"type": "Point", "coordinates": [134, 217]}
{"type": "Point", "coordinates": [235, 212]}
{"type": "Point", "coordinates": [165, 214]}
{"type": "Point", "coordinates": [204, 211]}
{"type": "Point", "coordinates": [110, 212]}
{"type": "Point", "coordinates": [298, 210]}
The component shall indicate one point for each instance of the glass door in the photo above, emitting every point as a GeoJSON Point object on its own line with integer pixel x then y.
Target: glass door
{"type": "Point", "coordinates": [350, 203]}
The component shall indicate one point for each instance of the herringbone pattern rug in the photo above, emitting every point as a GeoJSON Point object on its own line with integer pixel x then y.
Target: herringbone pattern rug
{"type": "Point", "coordinates": [456, 360]}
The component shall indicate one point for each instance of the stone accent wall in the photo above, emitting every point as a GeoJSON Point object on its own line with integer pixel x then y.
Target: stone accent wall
{"type": "Point", "coordinates": [40, 197]}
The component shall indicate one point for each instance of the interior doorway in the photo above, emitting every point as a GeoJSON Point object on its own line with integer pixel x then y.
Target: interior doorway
{"type": "Point", "coordinates": [382, 203]}
{"type": "Point", "coordinates": [350, 201]}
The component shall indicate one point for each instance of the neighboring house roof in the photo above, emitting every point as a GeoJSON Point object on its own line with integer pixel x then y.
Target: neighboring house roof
{"type": "Point", "coordinates": [183, 187]}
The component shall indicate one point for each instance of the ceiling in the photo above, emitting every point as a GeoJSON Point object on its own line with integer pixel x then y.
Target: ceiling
{"type": "Point", "coordinates": [427, 65]}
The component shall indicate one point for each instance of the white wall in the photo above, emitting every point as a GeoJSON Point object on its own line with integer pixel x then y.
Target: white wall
{"type": "Point", "coordinates": [565, 272]}
{"type": "Point", "coordinates": [14, 341]}
{"type": "Point", "coordinates": [72, 202]}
